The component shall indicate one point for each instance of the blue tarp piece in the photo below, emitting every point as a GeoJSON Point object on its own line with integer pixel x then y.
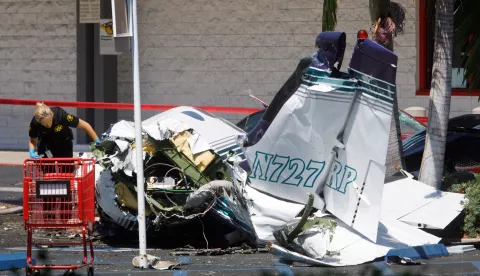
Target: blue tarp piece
{"type": "Point", "coordinates": [420, 252]}
{"type": "Point", "coordinates": [14, 261]}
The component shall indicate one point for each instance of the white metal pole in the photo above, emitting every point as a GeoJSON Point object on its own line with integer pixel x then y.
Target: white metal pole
{"type": "Point", "coordinates": [138, 139]}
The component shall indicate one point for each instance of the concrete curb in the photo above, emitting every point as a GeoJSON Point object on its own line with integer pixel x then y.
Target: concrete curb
{"type": "Point", "coordinates": [14, 210]}
{"type": "Point", "coordinates": [464, 241]}
{"type": "Point", "coordinates": [23, 148]}
{"type": "Point", "coordinates": [17, 157]}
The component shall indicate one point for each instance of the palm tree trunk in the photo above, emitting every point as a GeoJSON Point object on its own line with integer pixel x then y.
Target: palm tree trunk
{"type": "Point", "coordinates": [383, 32]}
{"type": "Point", "coordinates": [395, 160]}
{"type": "Point", "coordinates": [431, 170]}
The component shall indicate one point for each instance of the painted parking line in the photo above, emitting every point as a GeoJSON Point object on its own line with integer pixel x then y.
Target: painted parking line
{"type": "Point", "coordinates": [10, 165]}
{"type": "Point", "coordinates": [278, 266]}
{"type": "Point", "coordinates": [476, 265]}
{"type": "Point", "coordinates": [183, 260]}
{"type": "Point", "coordinates": [154, 271]}
{"type": "Point", "coordinates": [259, 269]}
{"type": "Point", "coordinates": [283, 268]}
{"type": "Point", "coordinates": [74, 249]}
{"type": "Point", "coordinates": [11, 189]}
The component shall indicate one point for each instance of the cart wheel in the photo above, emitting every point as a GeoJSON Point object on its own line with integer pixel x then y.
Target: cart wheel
{"type": "Point", "coordinates": [90, 271]}
{"type": "Point", "coordinates": [36, 272]}
{"type": "Point", "coordinates": [68, 273]}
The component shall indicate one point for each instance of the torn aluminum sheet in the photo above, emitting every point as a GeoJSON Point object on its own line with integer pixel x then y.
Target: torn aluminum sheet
{"type": "Point", "coordinates": [288, 257]}
{"type": "Point", "coordinates": [156, 263]}
{"type": "Point", "coordinates": [310, 237]}
{"type": "Point", "coordinates": [350, 248]}
{"type": "Point", "coordinates": [269, 213]}
{"type": "Point", "coordinates": [460, 249]}
{"type": "Point", "coordinates": [124, 130]}
{"type": "Point", "coordinates": [185, 175]}
{"type": "Point", "coordinates": [346, 244]}
{"type": "Point", "coordinates": [122, 145]}
{"type": "Point", "coordinates": [332, 142]}
{"type": "Point", "coordinates": [426, 206]}
{"type": "Point", "coordinates": [219, 133]}
{"type": "Point", "coordinates": [334, 155]}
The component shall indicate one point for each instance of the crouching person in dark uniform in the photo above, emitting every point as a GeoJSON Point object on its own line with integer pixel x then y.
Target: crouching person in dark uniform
{"type": "Point", "coordinates": [51, 126]}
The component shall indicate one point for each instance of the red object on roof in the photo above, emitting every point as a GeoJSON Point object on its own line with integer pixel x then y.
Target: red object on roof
{"type": "Point", "coordinates": [362, 34]}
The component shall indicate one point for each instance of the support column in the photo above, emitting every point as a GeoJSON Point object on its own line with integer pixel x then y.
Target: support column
{"type": "Point", "coordinates": [85, 79]}
{"type": "Point", "coordinates": [105, 77]}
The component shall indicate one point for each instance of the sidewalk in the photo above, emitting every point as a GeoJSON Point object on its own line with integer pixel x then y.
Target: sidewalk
{"type": "Point", "coordinates": [16, 158]}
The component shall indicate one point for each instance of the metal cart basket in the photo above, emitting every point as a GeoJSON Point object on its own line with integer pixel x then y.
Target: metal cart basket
{"type": "Point", "coordinates": [59, 193]}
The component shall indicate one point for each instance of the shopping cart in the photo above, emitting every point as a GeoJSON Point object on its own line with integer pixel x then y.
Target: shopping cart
{"type": "Point", "coordinates": [58, 193]}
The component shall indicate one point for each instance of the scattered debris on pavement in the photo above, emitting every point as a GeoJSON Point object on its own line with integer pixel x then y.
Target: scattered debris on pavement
{"type": "Point", "coordinates": [6, 208]}
{"type": "Point", "coordinates": [243, 249]}
{"type": "Point", "coordinates": [156, 263]}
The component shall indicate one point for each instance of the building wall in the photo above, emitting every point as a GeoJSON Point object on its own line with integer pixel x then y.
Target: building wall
{"type": "Point", "coordinates": [202, 52]}
{"type": "Point", "coordinates": [37, 61]}
{"type": "Point", "coordinates": [210, 52]}
{"type": "Point", "coordinates": [193, 52]}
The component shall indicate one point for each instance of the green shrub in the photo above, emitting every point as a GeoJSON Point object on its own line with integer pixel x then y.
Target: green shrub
{"type": "Point", "coordinates": [471, 189]}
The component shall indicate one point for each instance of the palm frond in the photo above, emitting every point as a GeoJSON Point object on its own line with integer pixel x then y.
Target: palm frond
{"type": "Point", "coordinates": [378, 8]}
{"type": "Point", "coordinates": [386, 8]}
{"type": "Point", "coordinates": [397, 13]}
{"type": "Point", "coordinates": [467, 32]}
{"type": "Point", "coordinates": [329, 19]}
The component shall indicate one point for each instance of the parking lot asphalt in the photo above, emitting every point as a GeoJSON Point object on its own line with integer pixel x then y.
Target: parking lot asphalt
{"type": "Point", "coordinates": [112, 260]}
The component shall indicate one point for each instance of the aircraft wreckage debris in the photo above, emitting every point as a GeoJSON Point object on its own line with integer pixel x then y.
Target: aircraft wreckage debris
{"type": "Point", "coordinates": [244, 249]}
{"type": "Point", "coordinates": [307, 182]}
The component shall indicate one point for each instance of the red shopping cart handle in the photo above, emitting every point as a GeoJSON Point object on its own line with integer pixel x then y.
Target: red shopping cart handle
{"type": "Point", "coordinates": [58, 175]}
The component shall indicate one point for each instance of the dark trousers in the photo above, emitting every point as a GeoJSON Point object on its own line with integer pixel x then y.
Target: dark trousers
{"type": "Point", "coordinates": [63, 149]}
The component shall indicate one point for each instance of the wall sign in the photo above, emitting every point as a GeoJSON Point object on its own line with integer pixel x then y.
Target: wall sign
{"type": "Point", "coordinates": [89, 11]}
{"type": "Point", "coordinates": [107, 43]}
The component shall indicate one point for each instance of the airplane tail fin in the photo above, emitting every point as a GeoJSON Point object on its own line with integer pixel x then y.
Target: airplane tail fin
{"type": "Point", "coordinates": [285, 92]}
{"type": "Point", "coordinates": [329, 136]}
{"type": "Point", "coordinates": [357, 200]}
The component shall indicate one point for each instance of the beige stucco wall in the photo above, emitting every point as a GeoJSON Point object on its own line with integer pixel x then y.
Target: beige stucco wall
{"type": "Point", "coordinates": [37, 61]}
{"type": "Point", "coordinates": [203, 52]}
{"type": "Point", "coordinates": [209, 52]}
{"type": "Point", "coordinates": [193, 52]}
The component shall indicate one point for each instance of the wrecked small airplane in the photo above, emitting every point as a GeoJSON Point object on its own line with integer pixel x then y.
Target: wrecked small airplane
{"type": "Point", "coordinates": [308, 180]}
